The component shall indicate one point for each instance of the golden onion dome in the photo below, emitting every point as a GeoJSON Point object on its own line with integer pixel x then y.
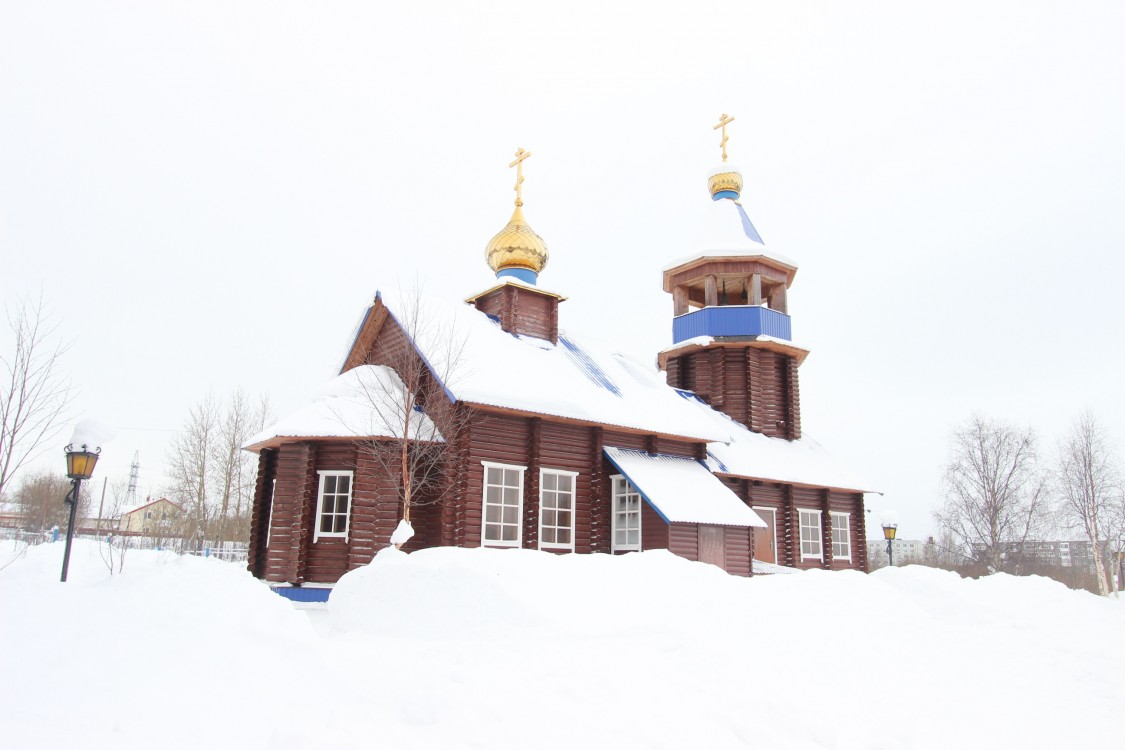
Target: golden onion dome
{"type": "Point", "coordinates": [725, 178]}
{"type": "Point", "coordinates": [517, 246]}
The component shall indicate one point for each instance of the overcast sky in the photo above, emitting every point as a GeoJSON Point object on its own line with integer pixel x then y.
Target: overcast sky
{"type": "Point", "coordinates": [208, 194]}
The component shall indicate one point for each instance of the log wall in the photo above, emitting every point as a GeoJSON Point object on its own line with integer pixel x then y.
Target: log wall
{"type": "Point", "coordinates": [260, 514]}
{"type": "Point", "coordinates": [523, 311]}
{"type": "Point", "coordinates": [755, 387]}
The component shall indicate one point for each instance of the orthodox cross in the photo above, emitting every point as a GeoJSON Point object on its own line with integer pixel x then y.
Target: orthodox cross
{"type": "Point", "coordinates": [724, 120]}
{"type": "Point", "coordinates": [518, 164]}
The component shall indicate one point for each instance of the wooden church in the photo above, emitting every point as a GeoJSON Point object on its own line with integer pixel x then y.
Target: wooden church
{"type": "Point", "coordinates": [506, 430]}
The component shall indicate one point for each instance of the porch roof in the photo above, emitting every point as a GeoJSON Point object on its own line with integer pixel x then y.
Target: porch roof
{"type": "Point", "coordinates": [681, 489]}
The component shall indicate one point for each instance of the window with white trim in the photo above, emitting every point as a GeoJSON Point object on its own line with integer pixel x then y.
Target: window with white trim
{"type": "Point", "coordinates": [556, 509]}
{"type": "Point", "coordinates": [626, 516]}
{"type": "Point", "coordinates": [503, 505]}
{"type": "Point", "coordinates": [810, 535]}
{"type": "Point", "coordinates": [333, 505]}
{"type": "Point", "coordinates": [841, 536]}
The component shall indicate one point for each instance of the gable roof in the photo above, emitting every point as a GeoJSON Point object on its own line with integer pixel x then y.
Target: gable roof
{"type": "Point", "coordinates": [577, 378]}
{"type": "Point", "coordinates": [127, 510]}
{"type": "Point", "coordinates": [588, 381]}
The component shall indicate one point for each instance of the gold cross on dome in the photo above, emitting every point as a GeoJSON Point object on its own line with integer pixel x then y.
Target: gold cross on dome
{"type": "Point", "coordinates": [518, 164]}
{"type": "Point", "coordinates": [724, 120]}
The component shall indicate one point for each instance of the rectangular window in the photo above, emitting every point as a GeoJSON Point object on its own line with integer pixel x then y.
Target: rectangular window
{"type": "Point", "coordinates": [841, 536]}
{"type": "Point", "coordinates": [556, 509]}
{"type": "Point", "coordinates": [626, 516]}
{"type": "Point", "coordinates": [333, 505]}
{"type": "Point", "coordinates": [810, 535]}
{"type": "Point", "coordinates": [503, 505]}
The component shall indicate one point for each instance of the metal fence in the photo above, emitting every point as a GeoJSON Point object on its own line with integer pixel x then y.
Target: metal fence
{"type": "Point", "coordinates": [226, 551]}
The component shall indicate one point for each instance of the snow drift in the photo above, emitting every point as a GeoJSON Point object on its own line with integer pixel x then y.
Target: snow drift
{"type": "Point", "coordinates": [515, 648]}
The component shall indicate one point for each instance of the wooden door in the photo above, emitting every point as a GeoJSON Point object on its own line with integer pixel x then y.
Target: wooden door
{"type": "Point", "coordinates": [712, 546]}
{"type": "Point", "coordinates": [765, 540]}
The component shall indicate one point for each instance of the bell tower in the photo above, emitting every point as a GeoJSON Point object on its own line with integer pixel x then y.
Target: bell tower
{"type": "Point", "coordinates": [731, 330]}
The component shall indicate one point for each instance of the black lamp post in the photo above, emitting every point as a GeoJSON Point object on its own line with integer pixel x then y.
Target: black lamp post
{"type": "Point", "coordinates": [80, 465]}
{"type": "Point", "coordinates": [889, 530]}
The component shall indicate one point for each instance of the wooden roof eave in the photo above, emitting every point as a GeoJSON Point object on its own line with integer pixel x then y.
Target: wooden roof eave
{"type": "Point", "coordinates": [787, 269]}
{"type": "Point", "coordinates": [775, 480]}
{"type": "Point", "coordinates": [585, 422]}
{"type": "Point", "coordinates": [365, 337]}
{"type": "Point", "coordinates": [279, 440]}
{"type": "Point", "coordinates": [756, 343]}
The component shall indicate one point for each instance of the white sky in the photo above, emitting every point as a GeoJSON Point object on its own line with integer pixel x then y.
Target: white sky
{"type": "Point", "coordinates": [208, 194]}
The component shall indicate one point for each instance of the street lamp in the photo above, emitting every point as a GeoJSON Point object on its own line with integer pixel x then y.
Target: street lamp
{"type": "Point", "coordinates": [80, 465]}
{"type": "Point", "coordinates": [889, 530]}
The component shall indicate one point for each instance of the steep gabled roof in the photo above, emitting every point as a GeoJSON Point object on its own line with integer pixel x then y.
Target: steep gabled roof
{"type": "Point", "coordinates": [577, 378]}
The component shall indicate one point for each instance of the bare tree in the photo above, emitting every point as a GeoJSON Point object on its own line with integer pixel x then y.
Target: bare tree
{"type": "Point", "coordinates": [190, 468]}
{"type": "Point", "coordinates": [35, 396]}
{"type": "Point", "coordinates": [234, 469]}
{"type": "Point", "coordinates": [211, 477]}
{"type": "Point", "coordinates": [39, 498]}
{"type": "Point", "coordinates": [416, 408]}
{"type": "Point", "coordinates": [1087, 480]}
{"type": "Point", "coordinates": [995, 492]}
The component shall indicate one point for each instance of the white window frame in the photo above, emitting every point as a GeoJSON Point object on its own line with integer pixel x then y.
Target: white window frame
{"type": "Point", "coordinates": [520, 470]}
{"type": "Point", "coordinates": [573, 510]}
{"type": "Point", "coordinates": [819, 533]}
{"type": "Point", "coordinates": [847, 527]}
{"type": "Point", "coordinates": [615, 495]}
{"type": "Point", "coordinates": [317, 533]}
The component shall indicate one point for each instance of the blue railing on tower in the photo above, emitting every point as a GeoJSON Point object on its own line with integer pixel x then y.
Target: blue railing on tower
{"type": "Point", "coordinates": [732, 320]}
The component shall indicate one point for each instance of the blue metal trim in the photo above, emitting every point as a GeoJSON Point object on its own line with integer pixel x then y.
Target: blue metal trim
{"type": "Point", "coordinates": [725, 194]}
{"type": "Point", "coordinates": [302, 594]}
{"type": "Point", "coordinates": [640, 492]}
{"type": "Point", "coordinates": [722, 466]}
{"type": "Point", "coordinates": [748, 226]}
{"type": "Point", "coordinates": [588, 366]}
{"type": "Point", "coordinates": [732, 320]}
{"type": "Point", "coordinates": [523, 274]}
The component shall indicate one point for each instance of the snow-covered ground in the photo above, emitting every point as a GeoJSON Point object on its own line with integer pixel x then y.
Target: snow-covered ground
{"type": "Point", "coordinates": [494, 649]}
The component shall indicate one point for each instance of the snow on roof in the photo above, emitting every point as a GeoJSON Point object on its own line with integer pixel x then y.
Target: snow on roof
{"type": "Point", "coordinates": [708, 340]}
{"type": "Point", "coordinates": [577, 379]}
{"type": "Point", "coordinates": [358, 403]}
{"type": "Point", "coordinates": [726, 230]}
{"type": "Point", "coordinates": [760, 568]}
{"type": "Point", "coordinates": [134, 508]}
{"type": "Point", "coordinates": [803, 461]}
{"type": "Point", "coordinates": [514, 281]}
{"type": "Point", "coordinates": [681, 489]}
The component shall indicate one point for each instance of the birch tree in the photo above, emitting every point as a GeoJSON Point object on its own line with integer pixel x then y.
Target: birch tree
{"type": "Point", "coordinates": [233, 469]}
{"type": "Point", "coordinates": [190, 469]}
{"type": "Point", "coordinates": [211, 477]}
{"type": "Point", "coordinates": [418, 461]}
{"type": "Point", "coordinates": [995, 491]}
{"type": "Point", "coordinates": [1088, 483]}
{"type": "Point", "coordinates": [35, 395]}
